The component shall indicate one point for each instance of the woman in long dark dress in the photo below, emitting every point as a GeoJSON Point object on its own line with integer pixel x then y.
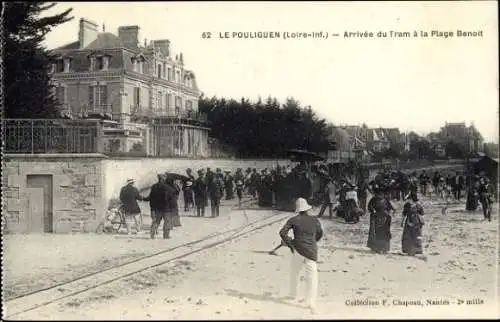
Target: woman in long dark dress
{"type": "Point", "coordinates": [473, 195]}
{"type": "Point", "coordinates": [412, 223]}
{"type": "Point", "coordinates": [176, 220]}
{"type": "Point", "coordinates": [379, 235]}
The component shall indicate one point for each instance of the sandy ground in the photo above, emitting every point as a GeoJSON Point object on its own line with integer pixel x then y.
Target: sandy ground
{"type": "Point", "coordinates": [34, 261]}
{"type": "Point", "coordinates": [238, 280]}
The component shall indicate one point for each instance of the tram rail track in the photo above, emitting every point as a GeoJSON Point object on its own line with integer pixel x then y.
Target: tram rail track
{"type": "Point", "coordinates": [132, 261]}
{"type": "Point", "coordinates": [56, 293]}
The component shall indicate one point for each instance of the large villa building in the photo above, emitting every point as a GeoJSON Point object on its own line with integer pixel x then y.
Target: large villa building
{"type": "Point", "coordinates": [146, 96]}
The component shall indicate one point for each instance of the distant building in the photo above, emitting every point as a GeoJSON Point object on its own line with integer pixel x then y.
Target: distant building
{"type": "Point", "coordinates": [467, 136]}
{"type": "Point", "coordinates": [148, 97]}
{"type": "Point", "coordinates": [378, 140]}
{"type": "Point", "coordinates": [349, 144]}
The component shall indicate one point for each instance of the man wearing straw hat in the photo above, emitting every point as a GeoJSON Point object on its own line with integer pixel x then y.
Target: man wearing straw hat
{"type": "Point", "coordinates": [129, 196]}
{"type": "Point", "coordinates": [157, 203]}
{"type": "Point", "coordinates": [307, 232]}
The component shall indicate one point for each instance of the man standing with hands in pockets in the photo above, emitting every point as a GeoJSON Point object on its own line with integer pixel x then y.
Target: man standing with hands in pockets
{"type": "Point", "coordinates": [307, 232]}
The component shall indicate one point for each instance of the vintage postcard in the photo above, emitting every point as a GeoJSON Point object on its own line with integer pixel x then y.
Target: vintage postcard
{"type": "Point", "coordinates": [250, 160]}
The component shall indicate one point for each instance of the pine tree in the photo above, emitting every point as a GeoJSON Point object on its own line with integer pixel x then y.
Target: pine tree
{"type": "Point", "coordinates": [27, 62]}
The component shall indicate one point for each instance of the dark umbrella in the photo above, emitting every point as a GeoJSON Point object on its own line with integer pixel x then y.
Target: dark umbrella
{"type": "Point", "coordinates": [176, 176]}
{"type": "Point", "coordinates": [303, 155]}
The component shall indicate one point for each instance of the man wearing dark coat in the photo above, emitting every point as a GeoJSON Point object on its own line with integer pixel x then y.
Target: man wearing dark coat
{"type": "Point", "coordinates": [423, 181]}
{"type": "Point", "coordinates": [200, 194]}
{"type": "Point", "coordinates": [129, 195]}
{"type": "Point", "coordinates": [215, 192]}
{"type": "Point", "coordinates": [158, 204]}
{"type": "Point", "coordinates": [229, 185]}
{"type": "Point", "coordinates": [187, 190]}
{"type": "Point", "coordinates": [486, 195]}
{"type": "Point", "coordinates": [254, 183]}
{"type": "Point", "coordinates": [172, 204]}
{"type": "Point", "coordinates": [362, 193]}
{"type": "Point", "coordinates": [265, 190]}
{"type": "Point", "coordinates": [458, 186]}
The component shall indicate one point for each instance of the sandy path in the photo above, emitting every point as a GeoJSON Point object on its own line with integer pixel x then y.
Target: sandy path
{"type": "Point", "coordinates": [35, 261]}
{"type": "Point", "coordinates": [239, 281]}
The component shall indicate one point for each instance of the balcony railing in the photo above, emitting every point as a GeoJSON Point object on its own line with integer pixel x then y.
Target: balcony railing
{"type": "Point", "coordinates": [51, 136]}
{"type": "Point", "coordinates": [153, 113]}
{"type": "Point", "coordinates": [102, 110]}
{"type": "Point", "coordinates": [65, 110]}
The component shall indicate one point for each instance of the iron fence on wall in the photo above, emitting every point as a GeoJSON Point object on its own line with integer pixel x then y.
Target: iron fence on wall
{"type": "Point", "coordinates": [51, 136]}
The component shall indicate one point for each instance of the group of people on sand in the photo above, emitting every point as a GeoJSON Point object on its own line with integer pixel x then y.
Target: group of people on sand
{"type": "Point", "coordinates": [379, 233]}
{"type": "Point", "coordinates": [162, 202]}
{"type": "Point", "coordinates": [308, 231]}
{"type": "Point", "coordinates": [307, 228]}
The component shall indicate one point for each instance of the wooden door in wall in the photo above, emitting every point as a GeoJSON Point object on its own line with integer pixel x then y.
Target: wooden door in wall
{"type": "Point", "coordinates": [40, 199]}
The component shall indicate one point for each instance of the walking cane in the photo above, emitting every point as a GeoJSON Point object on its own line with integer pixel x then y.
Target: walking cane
{"type": "Point", "coordinates": [273, 252]}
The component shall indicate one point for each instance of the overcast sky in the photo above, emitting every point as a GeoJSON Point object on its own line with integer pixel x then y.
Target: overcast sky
{"type": "Point", "coordinates": [411, 83]}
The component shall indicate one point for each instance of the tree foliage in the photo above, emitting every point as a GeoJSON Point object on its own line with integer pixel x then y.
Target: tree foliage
{"type": "Point", "coordinates": [27, 62]}
{"type": "Point", "coordinates": [491, 149]}
{"type": "Point", "coordinates": [265, 128]}
{"type": "Point", "coordinates": [455, 150]}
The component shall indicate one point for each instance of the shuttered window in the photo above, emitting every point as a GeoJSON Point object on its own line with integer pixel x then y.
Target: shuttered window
{"type": "Point", "coordinates": [159, 98]}
{"type": "Point", "coordinates": [98, 96]}
{"type": "Point", "coordinates": [137, 96]}
{"type": "Point", "coordinates": [61, 94]}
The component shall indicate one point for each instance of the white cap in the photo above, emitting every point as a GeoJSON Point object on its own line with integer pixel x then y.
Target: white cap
{"type": "Point", "coordinates": [302, 205]}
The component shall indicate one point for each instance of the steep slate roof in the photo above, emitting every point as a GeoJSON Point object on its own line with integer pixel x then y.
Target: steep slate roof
{"type": "Point", "coordinates": [80, 61]}
{"type": "Point", "coordinates": [105, 40]}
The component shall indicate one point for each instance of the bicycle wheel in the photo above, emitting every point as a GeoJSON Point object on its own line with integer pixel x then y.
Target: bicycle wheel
{"type": "Point", "coordinates": [117, 222]}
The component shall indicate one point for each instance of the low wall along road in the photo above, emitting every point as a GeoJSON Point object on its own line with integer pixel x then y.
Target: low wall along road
{"type": "Point", "coordinates": [63, 193]}
{"type": "Point", "coordinates": [145, 170]}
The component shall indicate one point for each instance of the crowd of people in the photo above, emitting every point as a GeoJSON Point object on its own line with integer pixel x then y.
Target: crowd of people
{"type": "Point", "coordinates": [343, 193]}
{"type": "Point", "coordinates": [349, 200]}
{"type": "Point", "coordinates": [280, 186]}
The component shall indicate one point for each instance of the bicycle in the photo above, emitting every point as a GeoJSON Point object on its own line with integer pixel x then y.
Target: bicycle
{"type": "Point", "coordinates": [116, 220]}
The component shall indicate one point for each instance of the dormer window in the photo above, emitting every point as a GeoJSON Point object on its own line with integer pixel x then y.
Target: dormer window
{"type": "Point", "coordinates": [138, 63]}
{"type": "Point", "coordinates": [92, 63]}
{"type": "Point", "coordinates": [105, 62]}
{"type": "Point", "coordinates": [99, 61]}
{"type": "Point", "coordinates": [66, 64]}
{"type": "Point", "coordinates": [59, 66]}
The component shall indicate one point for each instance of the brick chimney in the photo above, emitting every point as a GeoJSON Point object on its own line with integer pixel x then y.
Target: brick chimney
{"type": "Point", "coordinates": [129, 36]}
{"type": "Point", "coordinates": [87, 32]}
{"type": "Point", "coordinates": [163, 45]}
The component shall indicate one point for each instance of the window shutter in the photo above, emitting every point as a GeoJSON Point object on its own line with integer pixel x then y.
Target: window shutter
{"type": "Point", "coordinates": [91, 96]}
{"type": "Point", "coordinates": [60, 94]}
{"type": "Point", "coordinates": [136, 96]}
{"type": "Point", "coordinates": [166, 101]}
{"type": "Point", "coordinates": [103, 95]}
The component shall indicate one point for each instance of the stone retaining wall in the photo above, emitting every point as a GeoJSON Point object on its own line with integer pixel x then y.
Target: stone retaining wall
{"type": "Point", "coordinates": [77, 190]}
{"type": "Point", "coordinates": [145, 170]}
